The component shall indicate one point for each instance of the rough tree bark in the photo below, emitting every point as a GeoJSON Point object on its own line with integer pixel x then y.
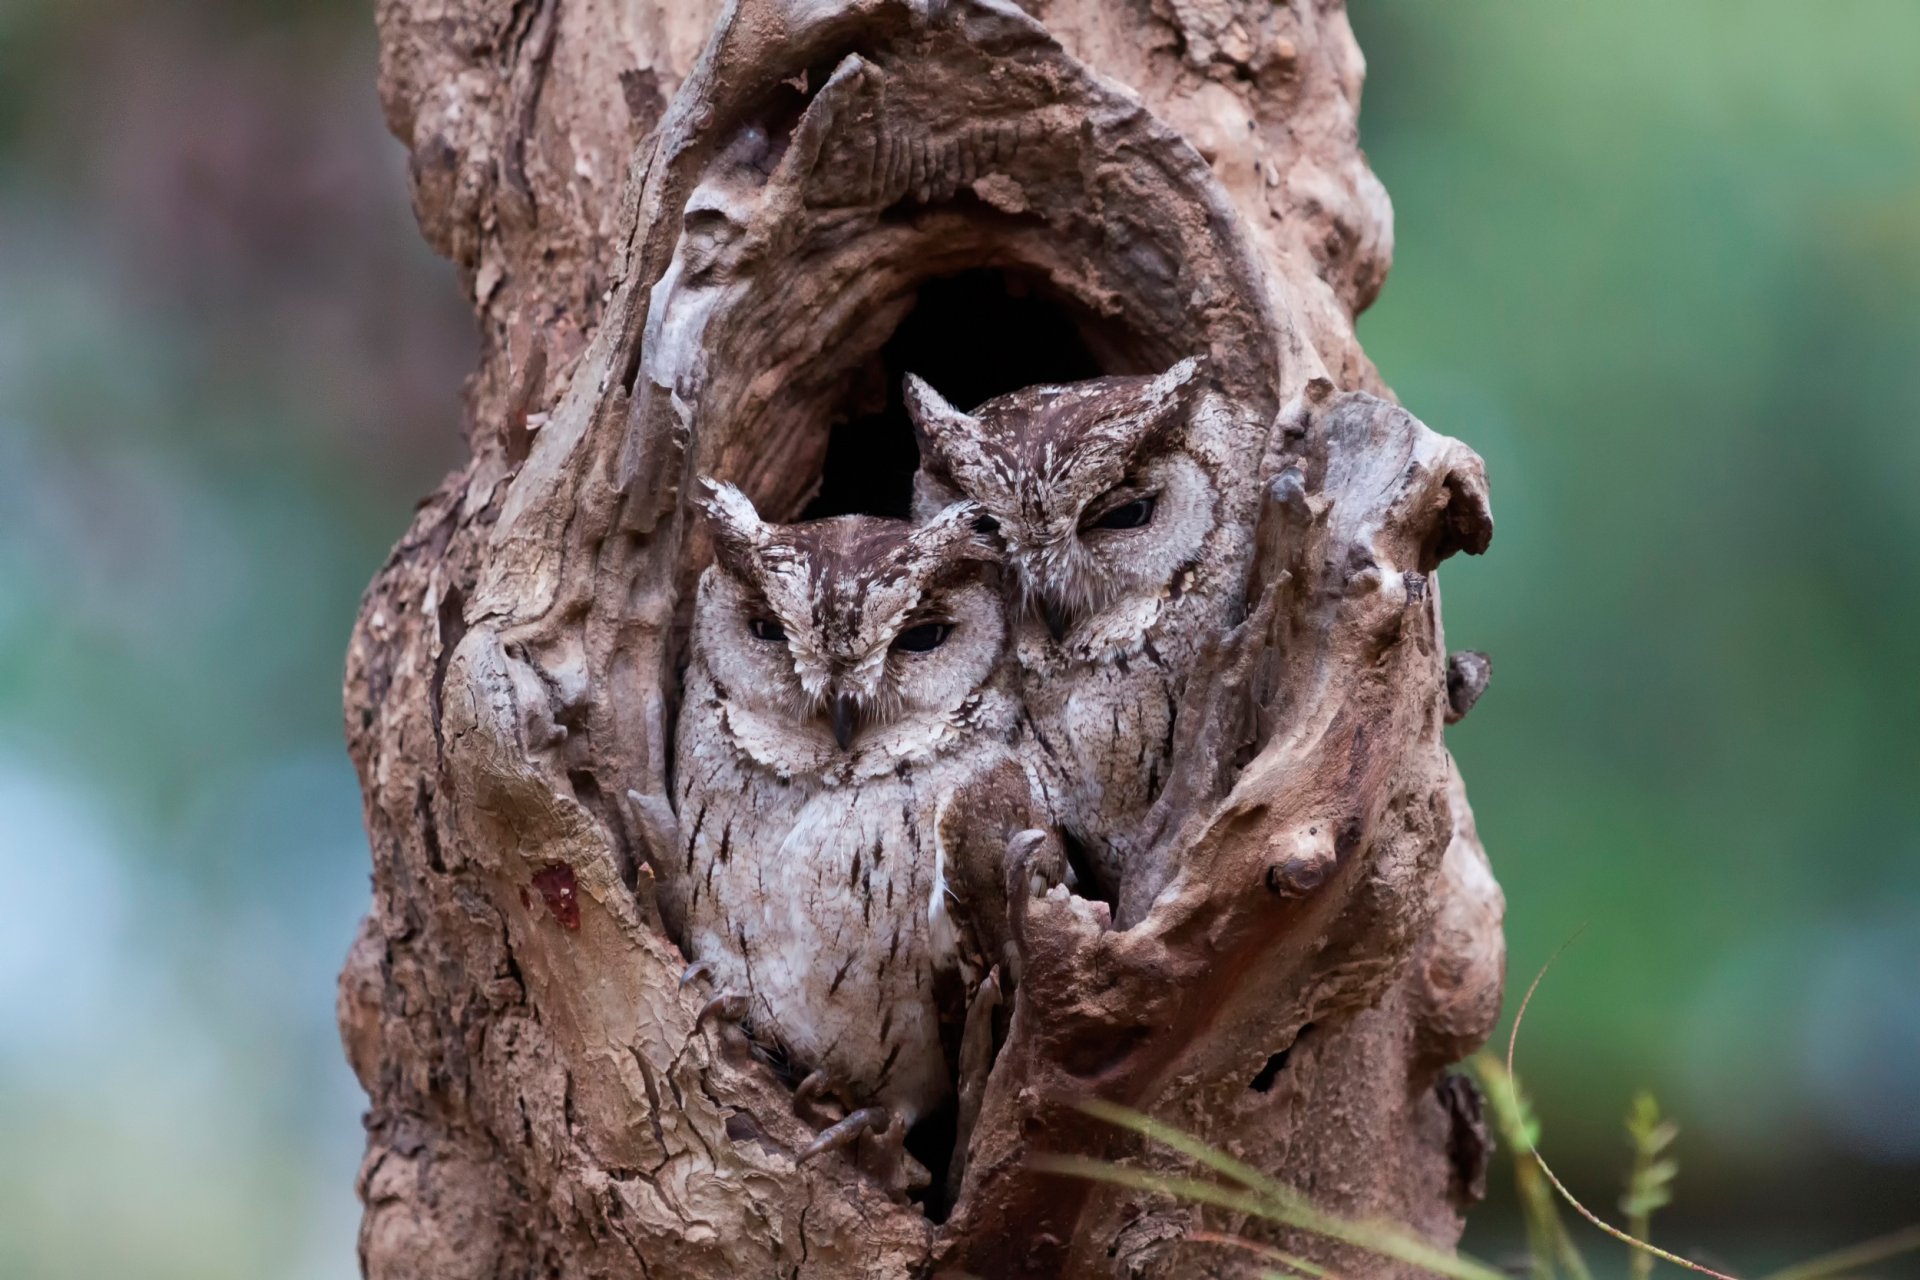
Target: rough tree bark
{"type": "Point", "coordinates": [690, 231]}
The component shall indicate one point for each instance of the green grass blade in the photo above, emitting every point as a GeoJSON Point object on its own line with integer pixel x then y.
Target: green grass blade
{"type": "Point", "coordinates": [1550, 1247]}
{"type": "Point", "coordinates": [1191, 1147]}
{"type": "Point", "coordinates": [1373, 1237]}
{"type": "Point", "coordinates": [1513, 1041]}
{"type": "Point", "coordinates": [1267, 1251]}
{"type": "Point", "coordinates": [1866, 1253]}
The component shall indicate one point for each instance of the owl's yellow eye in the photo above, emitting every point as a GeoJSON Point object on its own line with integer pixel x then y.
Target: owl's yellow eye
{"type": "Point", "coordinates": [767, 629]}
{"type": "Point", "coordinates": [920, 639]}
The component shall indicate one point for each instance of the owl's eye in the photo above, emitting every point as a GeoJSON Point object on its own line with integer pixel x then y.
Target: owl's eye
{"type": "Point", "coordinates": [920, 639]}
{"type": "Point", "coordinates": [767, 629]}
{"type": "Point", "coordinates": [1137, 514]}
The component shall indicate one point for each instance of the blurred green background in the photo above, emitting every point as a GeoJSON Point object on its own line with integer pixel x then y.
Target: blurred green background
{"type": "Point", "coordinates": [1659, 262]}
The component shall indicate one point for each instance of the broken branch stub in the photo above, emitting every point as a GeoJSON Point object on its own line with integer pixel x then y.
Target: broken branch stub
{"type": "Point", "coordinates": [516, 1005]}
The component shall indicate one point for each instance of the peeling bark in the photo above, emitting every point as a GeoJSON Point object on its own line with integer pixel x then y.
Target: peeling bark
{"type": "Point", "coordinates": [690, 233]}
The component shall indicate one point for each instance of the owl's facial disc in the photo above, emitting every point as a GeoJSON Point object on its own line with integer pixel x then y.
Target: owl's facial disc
{"type": "Point", "coordinates": [865, 692]}
{"type": "Point", "coordinates": [1092, 535]}
{"type": "Point", "coordinates": [1066, 576]}
{"type": "Point", "coordinates": [1137, 537]}
{"type": "Point", "coordinates": [1096, 494]}
{"type": "Point", "coordinates": [839, 628]}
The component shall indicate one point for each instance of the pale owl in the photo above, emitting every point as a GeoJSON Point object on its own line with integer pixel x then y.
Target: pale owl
{"type": "Point", "coordinates": [1125, 516]}
{"type": "Point", "coordinates": [847, 773]}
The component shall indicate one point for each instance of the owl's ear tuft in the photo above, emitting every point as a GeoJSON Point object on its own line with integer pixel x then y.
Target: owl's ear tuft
{"type": "Point", "coordinates": [1172, 397]}
{"type": "Point", "coordinates": [956, 449]}
{"type": "Point", "coordinates": [1180, 385]}
{"type": "Point", "coordinates": [1161, 412]}
{"type": "Point", "coordinates": [940, 430]}
{"type": "Point", "coordinates": [738, 531]}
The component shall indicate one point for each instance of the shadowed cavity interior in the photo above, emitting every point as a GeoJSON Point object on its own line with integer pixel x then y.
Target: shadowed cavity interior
{"type": "Point", "coordinates": [973, 336]}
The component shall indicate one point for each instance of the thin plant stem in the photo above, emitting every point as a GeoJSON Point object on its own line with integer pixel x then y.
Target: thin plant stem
{"type": "Point", "coordinates": [1513, 1040]}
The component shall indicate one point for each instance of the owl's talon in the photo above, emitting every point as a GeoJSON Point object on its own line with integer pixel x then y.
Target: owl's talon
{"type": "Point", "coordinates": [846, 1133]}
{"type": "Point", "coordinates": [728, 1006]}
{"type": "Point", "coordinates": [698, 969]}
{"type": "Point", "coordinates": [1034, 857]}
{"type": "Point", "coordinates": [810, 1088]}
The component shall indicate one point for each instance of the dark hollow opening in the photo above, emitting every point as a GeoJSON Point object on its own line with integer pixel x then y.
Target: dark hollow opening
{"type": "Point", "coordinates": [1088, 882]}
{"type": "Point", "coordinates": [1276, 1063]}
{"type": "Point", "coordinates": [931, 1143]}
{"type": "Point", "coordinates": [973, 336]}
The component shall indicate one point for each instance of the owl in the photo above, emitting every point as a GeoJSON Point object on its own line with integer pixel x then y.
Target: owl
{"type": "Point", "coordinates": [1124, 504]}
{"type": "Point", "coordinates": [847, 770]}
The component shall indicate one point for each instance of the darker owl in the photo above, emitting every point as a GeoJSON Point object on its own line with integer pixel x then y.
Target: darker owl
{"type": "Point", "coordinates": [1126, 525]}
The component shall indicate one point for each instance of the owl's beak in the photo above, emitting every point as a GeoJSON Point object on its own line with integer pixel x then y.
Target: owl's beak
{"type": "Point", "coordinates": [846, 717]}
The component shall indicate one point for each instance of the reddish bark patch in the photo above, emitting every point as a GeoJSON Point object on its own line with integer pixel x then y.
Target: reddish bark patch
{"type": "Point", "coordinates": [555, 883]}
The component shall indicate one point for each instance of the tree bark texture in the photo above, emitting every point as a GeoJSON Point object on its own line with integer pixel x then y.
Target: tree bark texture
{"type": "Point", "coordinates": [689, 231]}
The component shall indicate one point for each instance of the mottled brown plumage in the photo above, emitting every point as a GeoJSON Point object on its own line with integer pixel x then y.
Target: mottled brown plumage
{"type": "Point", "coordinates": [1125, 515]}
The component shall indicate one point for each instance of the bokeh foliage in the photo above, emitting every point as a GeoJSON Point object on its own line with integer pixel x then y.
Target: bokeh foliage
{"type": "Point", "coordinates": [228, 368]}
{"type": "Point", "coordinates": [1659, 262]}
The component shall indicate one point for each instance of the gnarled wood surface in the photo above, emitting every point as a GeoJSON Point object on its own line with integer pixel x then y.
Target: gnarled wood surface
{"type": "Point", "coordinates": [690, 232]}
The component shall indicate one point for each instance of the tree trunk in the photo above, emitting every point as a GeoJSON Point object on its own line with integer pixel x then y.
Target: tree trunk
{"type": "Point", "coordinates": [698, 235]}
